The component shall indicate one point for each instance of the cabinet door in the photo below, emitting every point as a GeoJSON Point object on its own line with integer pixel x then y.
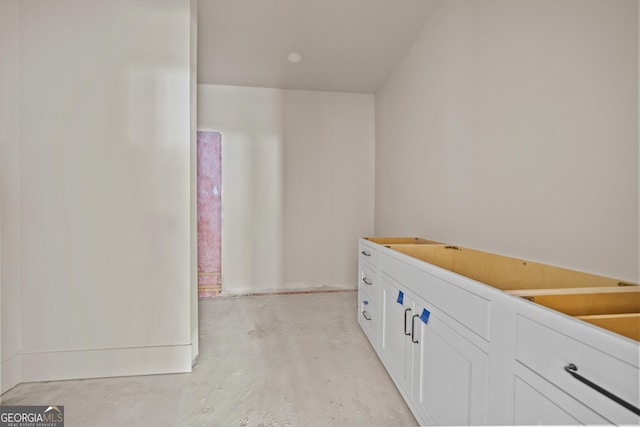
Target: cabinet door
{"type": "Point", "coordinates": [451, 374]}
{"type": "Point", "coordinates": [395, 340]}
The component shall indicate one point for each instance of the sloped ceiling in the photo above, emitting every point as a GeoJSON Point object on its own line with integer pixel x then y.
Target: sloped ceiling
{"type": "Point", "coordinates": [346, 45]}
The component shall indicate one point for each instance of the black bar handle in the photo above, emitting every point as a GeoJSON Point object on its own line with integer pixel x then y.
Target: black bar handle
{"type": "Point", "coordinates": [365, 253]}
{"type": "Point", "coordinates": [405, 321]}
{"type": "Point", "coordinates": [573, 370]}
{"type": "Point", "coordinates": [366, 316]}
{"type": "Point", "coordinates": [366, 282]}
{"type": "Point", "coordinates": [413, 327]}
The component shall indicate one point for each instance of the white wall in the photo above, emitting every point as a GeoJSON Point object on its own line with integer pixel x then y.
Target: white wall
{"type": "Point", "coordinates": [250, 120]}
{"type": "Point", "coordinates": [297, 174]}
{"type": "Point", "coordinates": [512, 126]}
{"type": "Point", "coordinates": [103, 161]}
{"type": "Point", "coordinates": [1, 390]}
{"type": "Point", "coordinates": [329, 160]}
{"type": "Point", "coordinates": [10, 333]}
{"type": "Point", "coordinates": [193, 127]}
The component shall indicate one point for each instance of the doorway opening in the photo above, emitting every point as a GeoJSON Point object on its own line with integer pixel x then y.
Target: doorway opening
{"type": "Point", "coordinates": [209, 171]}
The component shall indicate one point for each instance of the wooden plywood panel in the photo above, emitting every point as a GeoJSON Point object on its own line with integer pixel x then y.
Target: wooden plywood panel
{"type": "Point", "coordinates": [627, 325]}
{"type": "Point", "coordinates": [433, 254]}
{"type": "Point", "coordinates": [502, 272]}
{"type": "Point", "coordinates": [512, 273]}
{"type": "Point", "coordinates": [587, 302]}
{"type": "Point", "coordinates": [606, 302]}
{"type": "Point", "coordinates": [401, 240]}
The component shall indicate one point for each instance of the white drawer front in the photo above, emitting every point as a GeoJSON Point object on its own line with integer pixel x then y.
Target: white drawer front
{"type": "Point", "coordinates": [368, 316]}
{"type": "Point", "coordinates": [467, 308]}
{"type": "Point", "coordinates": [548, 405]}
{"type": "Point", "coordinates": [368, 280]}
{"type": "Point", "coordinates": [547, 352]}
{"type": "Point", "coordinates": [368, 254]}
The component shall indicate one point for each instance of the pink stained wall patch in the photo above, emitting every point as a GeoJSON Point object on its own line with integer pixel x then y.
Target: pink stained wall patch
{"type": "Point", "coordinates": [209, 213]}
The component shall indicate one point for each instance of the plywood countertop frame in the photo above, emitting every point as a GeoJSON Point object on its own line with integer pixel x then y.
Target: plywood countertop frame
{"type": "Point", "coordinates": [402, 240]}
{"type": "Point", "coordinates": [606, 302]}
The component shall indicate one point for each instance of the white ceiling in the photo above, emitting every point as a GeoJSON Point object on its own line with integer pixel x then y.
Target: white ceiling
{"type": "Point", "coordinates": [346, 45]}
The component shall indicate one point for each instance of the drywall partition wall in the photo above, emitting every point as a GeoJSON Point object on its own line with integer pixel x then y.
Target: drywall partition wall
{"type": "Point", "coordinates": [0, 288]}
{"type": "Point", "coordinates": [193, 125]}
{"type": "Point", "coordinates": [513, 127]}
{"type": "Point", "coordinates": [329, 160]}
{"type": "Point", "coordinates": [105, 188]}
{"type": "Point", "coordinates": [10, 332]}
{"type": "Point", "coordinates": [1, 391]}
{"type": "Point", "coordinates": [250, 121]}
{"type": "Point", "coordinates": [297, 174]}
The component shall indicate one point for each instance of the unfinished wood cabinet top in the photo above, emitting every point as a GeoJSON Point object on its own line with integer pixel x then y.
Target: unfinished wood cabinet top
{"type": "Point", "coordinates": [401, 240]}
{"type": "Point", "coordinates": [503, 272]}
{"type": "Point", "coordinates": [603, 301]}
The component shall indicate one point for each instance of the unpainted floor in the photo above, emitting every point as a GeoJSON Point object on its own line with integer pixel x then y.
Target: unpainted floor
{"type": "Point", "coordinates": [277, 360]}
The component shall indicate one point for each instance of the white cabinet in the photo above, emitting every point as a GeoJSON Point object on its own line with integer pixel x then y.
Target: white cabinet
{"type": "Point", "coordinates": [484, 356]}
{"type": "Point", "coordinates": [547, 348]}
{"type": "Point", "coordinates": [369, 292]}
{"type": "Point", "coordinates": [443, 375]}
{"type": "Point", "coordinates": [398, 307]}
{"type": "Point", "coordinates": [538, 402]}
{"type": "Point", "coordinates": [450, 374]}
{"type": "Point", "coordinates": [366, 316]}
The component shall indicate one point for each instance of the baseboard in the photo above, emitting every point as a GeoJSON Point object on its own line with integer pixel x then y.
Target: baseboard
{"type": "Point", "coordinates": [117, 362]}
{"type": "Point", "coordinates": [286, 291]}
{"type": "Point", "coordinates": [10, 373]}
{"type": "Point", "coordinates": [195, 346]}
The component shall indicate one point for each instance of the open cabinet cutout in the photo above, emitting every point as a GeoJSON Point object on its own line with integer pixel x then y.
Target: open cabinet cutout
{"type": "Point", "coordinates": [209, 214]}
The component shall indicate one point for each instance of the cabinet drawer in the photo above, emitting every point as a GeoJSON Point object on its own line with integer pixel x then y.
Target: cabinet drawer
{"type": "Point", "coordinates": [368, 254]}
{"type": "Point", "coordinates": [537, 402]}
{"type": "Point", "coordinates": [368, 316]}
{"type": "Point", "coordinates": [547, 352]}
{"type": "Point", "coordinates": [368, 280]}
{"type": "Point", "coordinates": [469, 309]}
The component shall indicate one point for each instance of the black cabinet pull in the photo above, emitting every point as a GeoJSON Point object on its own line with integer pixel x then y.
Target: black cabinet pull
{"type": "Point", "coordinates": [366, 282]}
{"type": "Point", "coordinates": [366, 316]}
{"type": "Point", "coordinates": [365, 253]}
{"type": "Point", "coordinates": [405, 321]}
{"type": "Point", "coordinates": [573, 370]}
{"type": "Point", "coordinates": [413, 326]}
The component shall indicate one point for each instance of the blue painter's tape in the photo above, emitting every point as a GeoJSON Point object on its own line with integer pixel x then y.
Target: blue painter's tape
{"type": "Point", "coordinates": [425, 315]}
{"type": "Point", "coordinates": [400, 297]}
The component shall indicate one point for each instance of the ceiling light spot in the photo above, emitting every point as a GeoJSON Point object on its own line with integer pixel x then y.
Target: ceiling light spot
{"type": "Point", "coordinates": [294, 57]}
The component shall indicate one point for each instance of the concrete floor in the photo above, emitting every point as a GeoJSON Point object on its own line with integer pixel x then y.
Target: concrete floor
{"type": "Point", "coordinates": [278, 360]}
